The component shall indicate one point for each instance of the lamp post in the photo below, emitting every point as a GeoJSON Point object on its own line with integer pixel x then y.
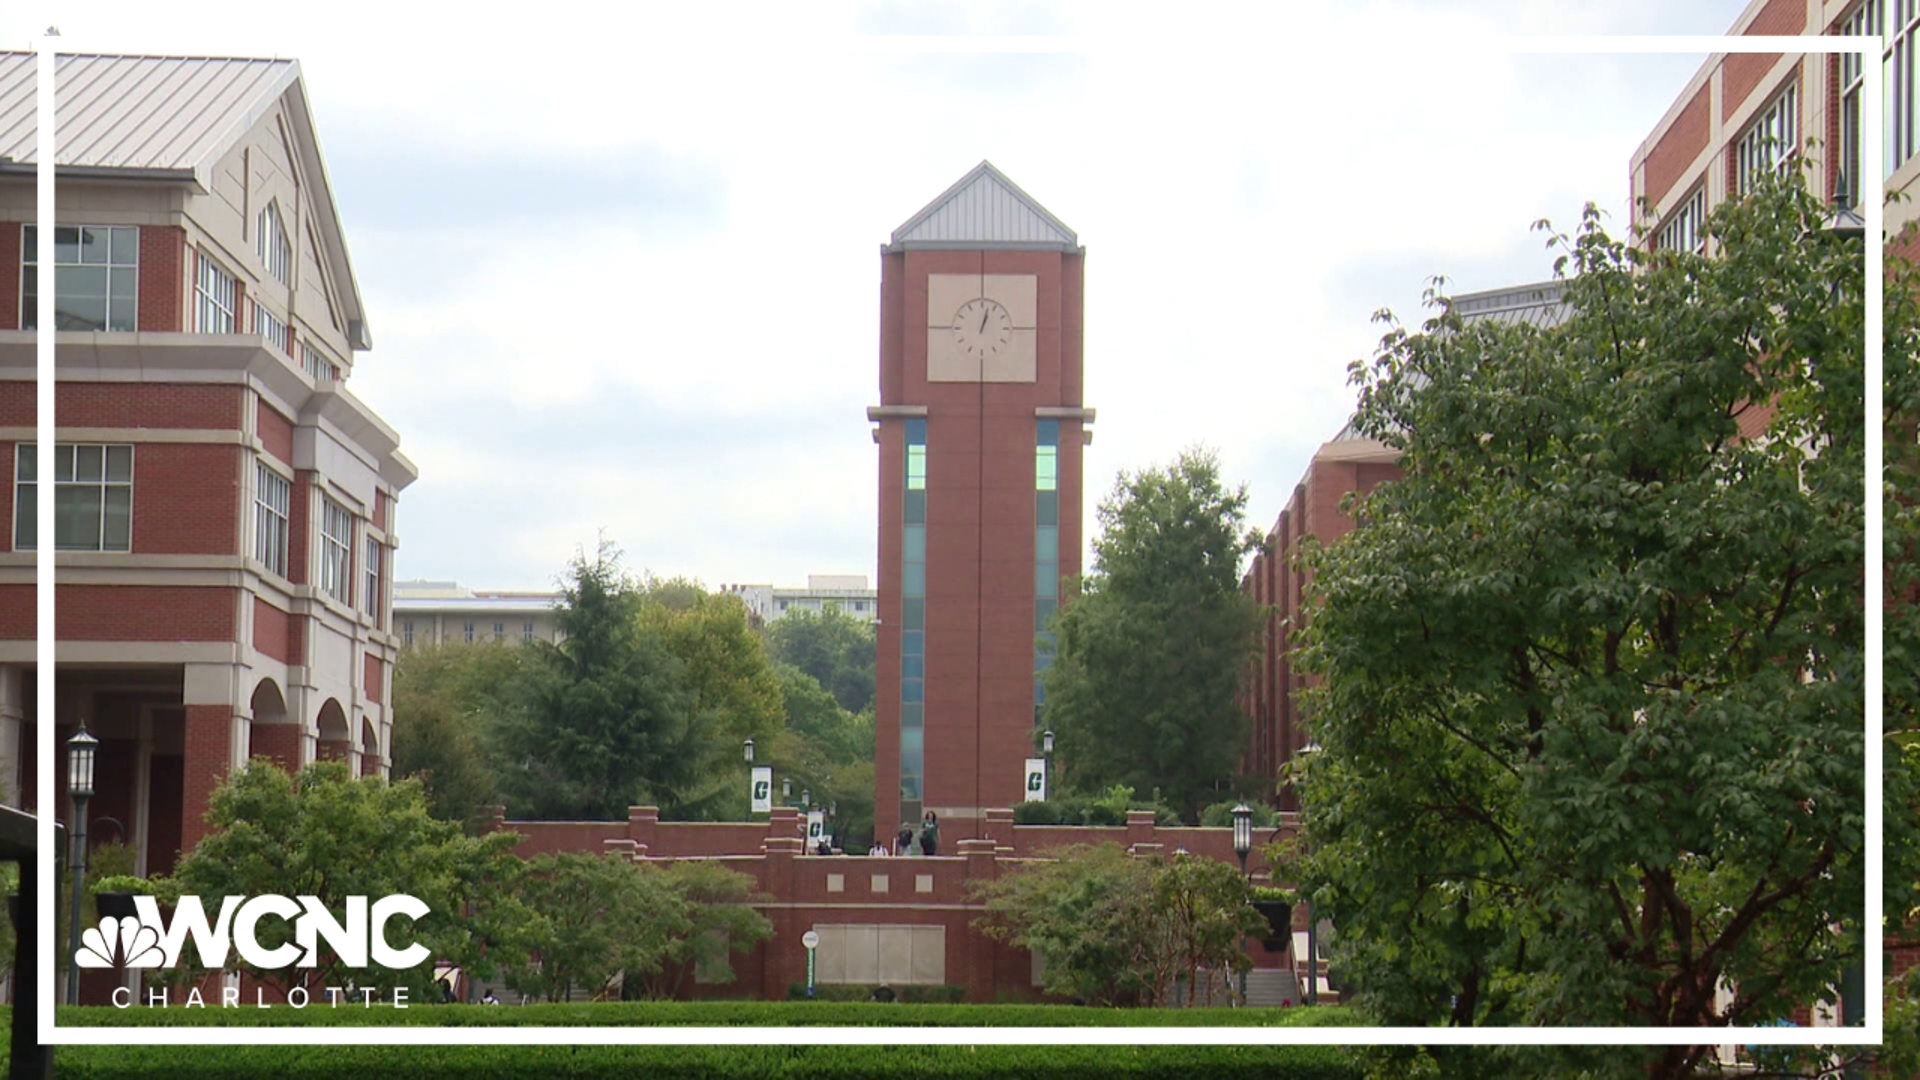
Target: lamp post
{"type": "Point", "coordinates": [1312, 994]}
{"type": "Point", "coordinates": [786, 790]}
{"type": "Point", "coordinates": [1046, 761]}
{"type": "Point", "coordinates": [1242, 844]}
{"type": "Point", "coordinates": [80, 751]}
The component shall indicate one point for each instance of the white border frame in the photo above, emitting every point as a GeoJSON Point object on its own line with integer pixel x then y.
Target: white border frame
{"type": "Point", "coordinates": [1872, 111]}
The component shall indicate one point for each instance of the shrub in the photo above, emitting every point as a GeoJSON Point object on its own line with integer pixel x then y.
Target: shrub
{"type": "Point", "coordinates": [905, 995]}
{"type": "Point", "coordinates": [1220, 815]}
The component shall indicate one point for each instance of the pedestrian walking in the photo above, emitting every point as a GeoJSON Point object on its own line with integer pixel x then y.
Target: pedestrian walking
{"type": "Point", "coordinates": [930, 834]}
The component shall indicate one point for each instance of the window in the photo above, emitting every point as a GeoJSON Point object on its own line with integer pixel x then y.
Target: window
{"type": "Point", "coordinates": [913, 621]}
{"type": "Point", "coordinates": [214, 298]}
{"type": "Point", "coordinates": [469, 632]}
{"type": "Point", "coordinates": [96, 272]}
{"type": "Point", "coordinates": [526, 631]}
{"type": "Point", "coordinates": [92, 497]}
{"type": "Point", "coordinates": [318, 366]}
{"type": "Point", "coordinates": [336, 536]}
{"type": "Point", "coordinates": [272, 500]}
{"type": "Point", "coordinates": [1682, 231]}
{"type": "Point", "coordinates": [1046, 549]}
{"type": "Point", "coordinates": [372, 606]}
{"type": "Point", "coordinates": [1902, 30]}
{"type": "Point", "coordinates": [406, 631]}
{"type": "Point", "coordinates": [1771, 140]}
{"type": "Point", "coordinates": [271, 244]}
{"type": "Point", "coordinates": [270, 327]}
{"type": "Point", "coordinates": [499, 631]}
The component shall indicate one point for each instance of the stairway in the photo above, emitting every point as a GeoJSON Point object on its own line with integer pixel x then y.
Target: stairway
{"type": "Point", "coordinates": [1270, 987]}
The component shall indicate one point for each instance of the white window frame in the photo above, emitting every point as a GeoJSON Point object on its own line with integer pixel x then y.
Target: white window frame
{"type": "Point", "coordinates": [128, 308]}
{"type": "Point", "coordinates": [319, 367]}
{"type": "Point", "coordinates": [272, 517]}
{"type": "Point", "coordinates": [336, 550]}
{"type": "Point", "coordinates": [25, 492]}
{"type": "Point", "coordinates": [1901, 30]}
{"type": "Point", "coordinates": [271, 327]}
{"type": "Point", "coordinates": [1684, 228]}
{"type": "Point", "coordinates": [215, 297]}
{"type": "Point", "coordinates": [371, 575]}
{"type": "Point", "coordinates": [406, 631]}
{"type": "Point", "coordinates": [271, 244]}
{"type": "Point", "coordinates": [526, 631]}
{"type": "Point", "coordinates": [1771, 140]}
{"type": "Point", "coordinates": [469, 633]}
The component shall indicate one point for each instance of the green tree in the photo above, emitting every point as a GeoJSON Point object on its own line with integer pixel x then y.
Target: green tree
{"type": "Point", "coordinates": [444, 702]}
{"type": "Point", "coordinates": [328, 835]}
{"type": "Point", "coordinates": [609, 716]}
{"type": "Point", "coordinates": [833, 647]}
{"type": "Point", "coordinates": [719, 919]}
{"type": "Point", "coordinates": [1149, 656]}
{"type": "Point", "coordinates": [1593, 669]}
{"type": "Point", "coordinates": [1900, 653]}
{"type": "Point", "coordinates": [598, 916]}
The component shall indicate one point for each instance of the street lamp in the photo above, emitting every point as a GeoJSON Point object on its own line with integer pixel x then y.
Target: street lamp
{"type": "Point", "coordinates": [80, 751]}
{"type": "Point", "coordinates": [1046, 761]}
{"type": "Point", "coordinates": [1242, 844]}
{"type": "Point", "coordinates": [749, 749]}
{"type": "Point", "coordinates": [1312, 996]}
{"type": "Point", "coordinates": [806, 798]}
{"type": "Point", "coordinates": [1844, 221]}
{"type": "Point", "coordinates": [786, 789]}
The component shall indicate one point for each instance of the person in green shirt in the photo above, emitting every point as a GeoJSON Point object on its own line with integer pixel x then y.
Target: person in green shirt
{"type": "Point", "coordinates": [929, 834]}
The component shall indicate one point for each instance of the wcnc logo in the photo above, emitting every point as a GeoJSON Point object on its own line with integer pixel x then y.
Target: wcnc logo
{"type": "Point", "coordinates": [146, 940]}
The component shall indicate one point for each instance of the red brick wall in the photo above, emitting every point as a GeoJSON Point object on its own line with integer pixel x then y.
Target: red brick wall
{"type": "Point", "coordinates": [124, 613]}
{"type": "Point", "coordinates": [127, 405]}
{"type": "Point", "coordinates": [1678, 148]}
{"type": "Point", "coordinates": [375, 673]}
{"type": "Point", "coordinates": [270, 631]}
{"type": "Point", "coordinates": [1740, 73]}
{"type": "Point", "coordinates": [380, 509]}
{"type": "Point", "coordinates": [162, 278]}
{"type": "Point", "coordinates": [186, 499]}
{"type": "Point", "coordinates": [209, 745]}
{"type": "Point", "coordinates": [10, 239]}
{"type": "Point", "coordinates": [280, 743]}
{"type": "Point", "coordinates": [299, 523]}
{"type": "Point", "coordinates": [275, 431]}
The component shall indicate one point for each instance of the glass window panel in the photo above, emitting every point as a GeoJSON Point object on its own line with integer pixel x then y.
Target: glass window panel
{"type": "Point", "coordinates": [76, 518]}
{"type": "Point", "coordinates": [1039, 692]}
{"type": "Point", "coordinates": [122, 283]}
{"type": "Point", "coordinates": [119, 520]}
{"type": "Point", "coordinates": [913, 579]}
{"type": "Point", "coordinates": [120, 317]}
{"type": "Point", "coordinates": [912, 742]}
{"type": "Point", "coordinates": [1046, 576]}
{"type": "Point", "coordinates": [120, 463]}
{"type": "Point", "coordinates": [94, 245]}
{"type": "Point", "coordinates": [29, 245]}
{"type": "Point", "coordinates": [913, 666]}
{"type": "Point", "coordinates": [913, 613]}
{"type": "Point", "coordinates": [88, 462]}
{"type": "Point", "coordinates": [126, 247]}
{"type": "Point", "coordinates": [917, 507]}
{"type": "Point", "coordinates": [1045, 475]}
{"type": "Point", "coordinates": [26, 463]}
{"type": "Point", "coordinates": [910, 690]}
{"type": "Point", "coordinates": [913, 641]}
{"type": "Point", "coordinates": [1046, 543]}
{"type": "Point", "coordinates": [1046, 506]}
{"type": "Point", "coordinates": [30, 285]}
{"type": "Point", "coordinates": [1042, 661]}
{"type": "Point", "coordinates": [66, 244]}
{"type": "Point", "coordinates": [26, 517]}
{"type": "Point", "coordinates": [913, 547]}
{"type": "Point", "coordinates": [81, 280]}
{"type": "Point", "coordinates": [1049, 433]}
{"type": "Point", "coordinates": [910, 788]}
{"type": "Point", "coordinates": [910, 715]}
{"type": "Point", "coordinates": [917, 431]}
{"type": "Point", "coordinates": [1043, 608]}
{"type": "Point", "coordinates": [63, 462]}
{"type": "Point", "coordinates": [80, 313]}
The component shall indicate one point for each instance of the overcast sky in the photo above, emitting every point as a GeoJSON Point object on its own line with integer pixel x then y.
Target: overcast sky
{"type": "Point", "coordinates": [622, 268]}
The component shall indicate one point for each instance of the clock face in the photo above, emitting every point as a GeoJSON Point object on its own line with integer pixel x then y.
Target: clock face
{"type": "Point", "coordinates": [982, 328]}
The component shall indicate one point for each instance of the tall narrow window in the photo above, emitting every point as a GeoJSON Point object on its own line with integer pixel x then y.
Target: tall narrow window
{"type": "Point", "coordinates": [469, 631]}
{"type": "Point", "coordinates": [272, 499]}
{"type": "Point", "coordinates": [406, 632]}
{"type": "Point", "coordinates": [1902, 31]}
{"type": "Point", "coordinates": [318, 366]}
{"type": "Point", "coordinates": [913, 624]}
{"type": "Point", "coordinates": [1046, 551]}
{"type": "Point", "coordinates": [96, 271]}
{"type": "Point", "coordinates": [1682, 231]}
{"type": "Point", "coordinates": [271, 244]}
{"type": "Point", "coordinates": [273, 329]}
{"type": "Point", "coordinates": [1771, 141]}
{"type": "Point", "coordinates": [373, 580]}
{"type": "Point", "coordinates": [214, 298]}
{"type": "Point", "coordinates": [92, 497]}
{"type": "Point", "coordinates": [336, 538]}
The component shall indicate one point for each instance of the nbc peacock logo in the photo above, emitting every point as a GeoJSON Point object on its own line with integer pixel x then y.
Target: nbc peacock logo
{"type": "Point", "coordinates": [120, 942]}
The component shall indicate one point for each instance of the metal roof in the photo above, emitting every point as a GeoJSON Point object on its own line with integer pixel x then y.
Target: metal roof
{"type": "Point", "coordinates": [984, 209]}
{"type": "Point", "coordinates": [147, 113]}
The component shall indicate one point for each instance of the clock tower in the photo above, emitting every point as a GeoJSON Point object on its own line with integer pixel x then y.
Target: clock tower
{"type": "Point", "coordinates": [980, 428]}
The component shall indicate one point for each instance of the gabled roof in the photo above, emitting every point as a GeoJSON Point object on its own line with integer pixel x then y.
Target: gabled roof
{"type": "Point", "coordinates": [169, 118]}
{"type": "Point", "coordinates": [984, 210]}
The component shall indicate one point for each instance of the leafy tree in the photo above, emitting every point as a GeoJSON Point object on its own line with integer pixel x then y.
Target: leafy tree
{"type": "Point", "coordinates": [1900, 654]}
{"type": "Point", "coordinates": [328, 835]}
{"type": "Point", "coordinates": [599, 916]}
{"type": "Point", "coordinates": [444, 702]}
{"type": "Point", "coordinates": [835, 648]}
{"type": "Point", "coordinates": [719, 919]}
{"type": "Point", "coordinates": [1207, 918]}
{"type": "Point", "coordinates": [1149, 655]}
{"type": "Point", "coordinates": [1593, 669]}
{"type": "Point", "coordinates": [610, 718]}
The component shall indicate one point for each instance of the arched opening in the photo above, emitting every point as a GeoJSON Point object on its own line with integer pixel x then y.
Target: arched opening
{"type": "Point", "coordinates": [369, 748]}
{"type": "Point", "coordinates": [336, 739]}
{"type": "Point", "coordinates": [273, 734]}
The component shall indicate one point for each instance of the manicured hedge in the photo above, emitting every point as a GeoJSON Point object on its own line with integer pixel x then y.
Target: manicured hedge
{"type": "Point", "coordinates": [706, 1014]}
{"type": "Point", "coordinates": [905, 1062]}
{"type": "Point", "coordinates": [911, 995]}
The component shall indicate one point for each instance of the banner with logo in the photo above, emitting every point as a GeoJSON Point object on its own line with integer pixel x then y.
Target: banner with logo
{"type": "Point", "coordinates": [1036, 779]}
{"type": "Point", "coordinates": [761, 790]}
{"type": "Point", "coordinates": [816, 827]}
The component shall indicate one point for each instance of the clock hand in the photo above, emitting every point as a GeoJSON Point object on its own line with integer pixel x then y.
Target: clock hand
{"type": "Point", "coordinates": [984, 312]}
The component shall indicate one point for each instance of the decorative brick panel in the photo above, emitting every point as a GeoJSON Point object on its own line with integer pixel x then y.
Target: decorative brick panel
{"type": "Point", "coordinates": [270, 634]}
{"type": "Point", "coordinates": [162, 278]}
{"type": "Point", "coordinates": [123, 613]}
{"type": "Point", "coordinates": [126, 405]}
{"type": "Point", "coordinates": [186, 499]}
{"type": "Point", "coordinates": [380, 510]}
{"type": "Point", "coordinates": [375, 673]}
{"type": "Point", "coordinates": [275, 432]}
{"type": "Point", "coordinates": [279, 743]}
{"type": "Point", "coordinates": [300, 527]}
{"type": "Point", "coordinates": [1678, 148]}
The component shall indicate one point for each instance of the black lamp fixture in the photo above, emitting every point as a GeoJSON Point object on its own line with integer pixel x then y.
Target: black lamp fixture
{"type": "Point", "coordinates": [786, 788]}
{"type": "Point", "coordinates": [1242, 844]}
{"type": "Point", "coordinates": [1046, 741]}
{"type": "Point", "coordinates": [1843, 221]}
{"type": "Point", "coordinates": [749, 745]}
{"type": "Point", "coordinates": [806, 797]}
{"type": "Point", "coordinates": [80, 753]}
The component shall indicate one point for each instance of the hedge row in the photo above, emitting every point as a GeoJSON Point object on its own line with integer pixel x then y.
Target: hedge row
{"type": "Point", "coordinates": [701, 1014]}
{"type": "Point", "coordinates": [699, 1062]}
{"type": "Point", "coordinates": [911, 995]}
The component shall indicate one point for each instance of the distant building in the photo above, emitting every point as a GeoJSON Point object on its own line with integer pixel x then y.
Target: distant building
{"type": "Point", "coordinates": [847, 592]}
{"type": "Point", "coordinates": [448, 613]}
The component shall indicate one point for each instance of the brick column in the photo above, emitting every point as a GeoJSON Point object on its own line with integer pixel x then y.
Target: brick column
{"type": "Point", "coordinates": [983, 864]}
{"type": "Point", "coordinates": [785, 956]}
{"type": "Point", "coordinates": [1140, 828]}
{"type": "Point", "coordinates": [643, 827]}
{"type": "Point", "coordinates": [209, 749]}
{"type": "Point", "coordinates": [999, 828]}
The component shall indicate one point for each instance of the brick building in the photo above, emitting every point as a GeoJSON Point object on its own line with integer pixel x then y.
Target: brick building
{"type": "Point", "coordinates": [981, 428]}
{"type": "Point", "coordinates": [225, 505]}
